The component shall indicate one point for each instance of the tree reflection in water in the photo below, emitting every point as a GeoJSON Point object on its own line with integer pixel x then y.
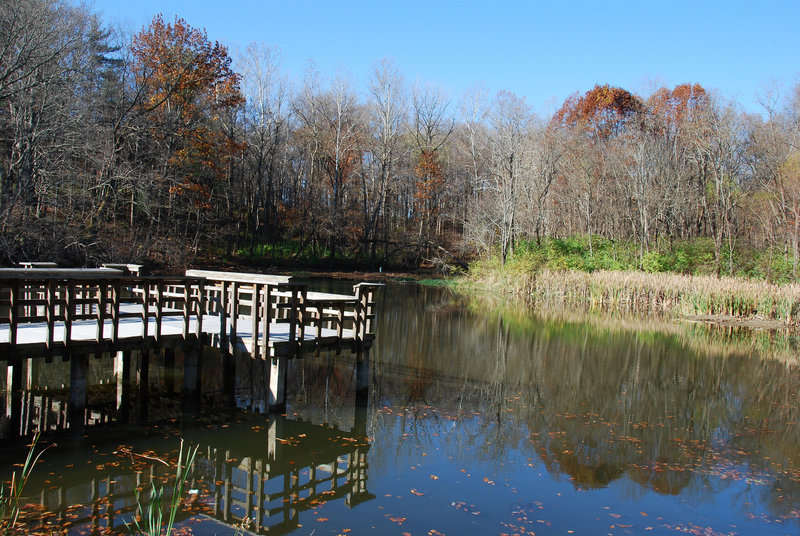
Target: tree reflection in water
{"type": "Point", "coordinates": [675, 408]}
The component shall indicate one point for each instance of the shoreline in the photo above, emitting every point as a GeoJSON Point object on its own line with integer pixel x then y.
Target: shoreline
{"type": "Point", "coordinates": [722, 301]}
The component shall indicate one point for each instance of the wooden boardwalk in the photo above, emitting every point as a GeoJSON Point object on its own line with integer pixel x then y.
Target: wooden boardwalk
{"type": "Point", "coordinates": [47, 311]}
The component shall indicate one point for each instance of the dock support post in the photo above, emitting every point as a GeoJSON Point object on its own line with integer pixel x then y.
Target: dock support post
{"type": "Point", "coordinates": [78, 372]}
{"type": "Point", "coordinates": [169, 370]}
{"type": "Point", "coordinates": [143, 381]}
{"type": "Point", "coordinates": [122, 368]}
{"type": "Point", "coordinates": [229, 377]}
{"type": "Point", "coordinates": [362, 393]}
{"type": "Point", "coordinates": [362, 373]}
{"type": "Point", "coordinates": [191, 380]}
{"type": "Point", "coordinates": [31, 373]}
{"type": "Point", "coordinates": [274, 432]}
{"type": "Point", "coordinates": [14, 398]}
{"type": "Point", "coordinates": [277, 384]}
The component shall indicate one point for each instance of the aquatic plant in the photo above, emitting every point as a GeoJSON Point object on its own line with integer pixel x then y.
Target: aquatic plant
{"type": "Point", "coordinates": [9, 500]}
{"type": "Point", "coordinates": [681, 295]}
{"type": "Point", "coordinates": [151, 522]}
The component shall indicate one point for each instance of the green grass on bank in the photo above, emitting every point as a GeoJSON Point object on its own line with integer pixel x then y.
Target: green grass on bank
{"type": "Point", "coordinates": [695, 257]}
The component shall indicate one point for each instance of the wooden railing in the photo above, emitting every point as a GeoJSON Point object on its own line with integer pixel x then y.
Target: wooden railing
{"type": "Point", "coordinates": [59, 299]}
{"type": "Point", "coordinates": [100, 300]}
{"type": "Point", "coordinates": [268, 299]}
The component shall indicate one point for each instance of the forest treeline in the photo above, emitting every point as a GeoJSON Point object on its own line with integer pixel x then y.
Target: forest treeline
{"type": "Point", "coordinates": [164, 147]}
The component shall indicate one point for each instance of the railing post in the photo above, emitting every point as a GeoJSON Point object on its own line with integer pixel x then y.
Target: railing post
{"type": "Point", "coordinates": [266, 315]}
{"type": "Point", "coordinates": [145, 309]}
{"type": "Point", "coordinates": [159, 308]}
{"type": "Point", "coordinates": [293, 313]}
{"type": "Point", "coordinates": [302, 312]}
{"type": "Point", "coordinates": [201, 307]}
{"type": "Point", "coordinates": [223, 317]}
{"type": "Point", "coordinates": [50, 316]}
{"type": "Point", "coordinates": [13, 313]}
{"type": "Point", "coordinates": [101, 310]}
{"type": "Point", "coordinates": [116, 296]}
{"type": "Point", "coordinates": [233, 305]}
{"type": "Point", "coordinates": [69, 307]}
{"type": "Point", "coordinates": [254, 350]}
{"type": "Point", "coordinates": [186, 317]}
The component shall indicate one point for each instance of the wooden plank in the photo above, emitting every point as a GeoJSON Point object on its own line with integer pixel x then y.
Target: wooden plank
{"type": "Point", "coordinates": [42, 274]}
{"type": "Point", "coordinates": [37, 264]}
{"type": "Point", "coordinates": [238, 277]}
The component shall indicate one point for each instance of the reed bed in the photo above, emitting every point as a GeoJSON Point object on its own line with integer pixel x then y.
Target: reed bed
{"type": "Point", "coordinates": [703, 338]}
{"type": "Point", "coordinates": [674, 294]}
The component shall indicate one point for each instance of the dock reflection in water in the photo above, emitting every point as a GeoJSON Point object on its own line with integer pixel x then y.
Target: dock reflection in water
{"type": "Point", "coordinates": [250, 472]}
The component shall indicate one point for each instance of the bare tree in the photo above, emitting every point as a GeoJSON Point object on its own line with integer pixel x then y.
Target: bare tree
{"type": "Point", "coordinates": [387, 120]}
{"type": "Point", "coordinates": [432, 126]}
{"type": "Point", "coordinates": [267, 117]}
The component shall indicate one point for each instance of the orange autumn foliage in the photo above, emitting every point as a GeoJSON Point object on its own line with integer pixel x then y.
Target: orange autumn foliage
{"type": "Point", "coordinates": [601, 112]}
{"type": "Point", "coordinates": [430, 177]}
{"type": "Point", "coordinates": [187, 85]}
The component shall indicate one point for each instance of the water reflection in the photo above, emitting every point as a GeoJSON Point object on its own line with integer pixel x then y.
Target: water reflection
{"type": "Point", "coordinates": [465, 397]}
{"type": "Point", "coordinates": [253, 472]}
{"type": "Point", "coordinates": [600, 403]}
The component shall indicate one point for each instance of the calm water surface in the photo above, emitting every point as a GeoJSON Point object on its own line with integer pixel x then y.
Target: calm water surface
{"type": "Point", "coordinates": [478, 421]}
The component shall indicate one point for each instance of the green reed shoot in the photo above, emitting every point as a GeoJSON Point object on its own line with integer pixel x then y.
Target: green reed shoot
{"type": "Point", "coordinates": [151, 522]}
{"type": "Point", "coordinates": [10, 499]}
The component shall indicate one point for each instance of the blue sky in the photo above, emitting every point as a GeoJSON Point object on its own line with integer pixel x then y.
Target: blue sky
{"type": "Point", "coordinates": [543, 51]}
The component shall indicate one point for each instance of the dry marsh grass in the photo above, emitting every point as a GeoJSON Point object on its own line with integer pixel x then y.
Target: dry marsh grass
{"type": "Point", "coordinates": [673, 294]}
{"type": "Point", "coordinates": [703, 338]}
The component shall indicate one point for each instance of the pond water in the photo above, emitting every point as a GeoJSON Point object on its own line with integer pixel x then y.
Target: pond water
{"type": "Point", "coordinates": [478, 420]}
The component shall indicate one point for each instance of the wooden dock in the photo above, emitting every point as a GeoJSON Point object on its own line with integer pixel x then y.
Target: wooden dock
{"type": "Point", "coordinates": [48, 312]}
{"type": "Point", "coordinates": [55, 311]}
